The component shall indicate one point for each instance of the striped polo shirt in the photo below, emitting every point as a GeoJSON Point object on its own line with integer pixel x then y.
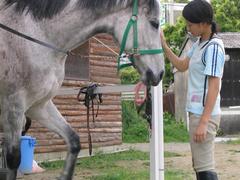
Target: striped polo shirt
{"type": "Point", "coordinates": [206, 59]}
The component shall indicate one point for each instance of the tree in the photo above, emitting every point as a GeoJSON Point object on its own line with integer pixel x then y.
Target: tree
{"type": "Point", "coordinates": [227, 14]}
{"type": "Point", "coordinates": [175, 36]}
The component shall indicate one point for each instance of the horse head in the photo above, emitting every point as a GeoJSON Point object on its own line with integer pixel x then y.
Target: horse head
{"type": "Point", "coordinates": [142, 43]}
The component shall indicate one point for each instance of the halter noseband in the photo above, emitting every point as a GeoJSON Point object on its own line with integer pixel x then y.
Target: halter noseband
{"type": "Point", "coordinates": [135, 51]}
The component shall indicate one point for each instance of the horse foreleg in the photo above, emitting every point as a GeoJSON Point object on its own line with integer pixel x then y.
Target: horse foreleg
{"type": "Point", "coordinates": [12, 116]}
{"type": "Point", "coordinates": [50, 117]}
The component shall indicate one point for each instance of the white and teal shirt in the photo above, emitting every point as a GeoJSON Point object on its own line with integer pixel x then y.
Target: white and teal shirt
{"type": "Point", "coordinates": [206, 59]}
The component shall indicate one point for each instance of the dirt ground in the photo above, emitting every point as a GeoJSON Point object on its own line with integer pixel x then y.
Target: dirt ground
{"type": "Point", "coordinates": [227, 157]}
{"type": "Point", "coordinates": [227, 163]}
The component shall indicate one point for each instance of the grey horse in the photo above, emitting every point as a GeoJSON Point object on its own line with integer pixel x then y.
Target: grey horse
{"type": "Point", "coordinates": [30, 74]}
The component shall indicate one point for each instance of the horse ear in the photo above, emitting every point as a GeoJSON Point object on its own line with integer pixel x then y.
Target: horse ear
{"type": "Point", "coordinates": [147, 5]}
{"type": "Point", "coordinates": [145, 1]}
{"type": "Point", "coordinates": [152, 4]}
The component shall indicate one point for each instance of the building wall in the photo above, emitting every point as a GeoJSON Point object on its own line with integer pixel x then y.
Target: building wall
{"type": "Point", "coordinates": [107, 128]}
{"type": "Point", "coordinates": [230, 95]}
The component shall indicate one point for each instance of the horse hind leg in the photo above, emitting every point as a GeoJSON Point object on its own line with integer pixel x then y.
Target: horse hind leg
{"type": "Point", "coordinates": [12, 117]}
{"type": "Point", "coordinates": [48, 115]}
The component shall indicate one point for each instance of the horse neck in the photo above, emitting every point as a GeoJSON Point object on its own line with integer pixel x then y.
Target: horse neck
{"type": "Point", "coordinates": [72, 27]}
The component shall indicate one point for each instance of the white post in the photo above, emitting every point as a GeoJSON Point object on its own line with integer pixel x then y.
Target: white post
{"type": "Point", "coordinates": [156, 141]}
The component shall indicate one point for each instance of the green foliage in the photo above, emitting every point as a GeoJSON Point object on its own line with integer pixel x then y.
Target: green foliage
{"type": "Point", "coordinates": [52, 165]}
{"type": "Point", "coordinates": [129, 75]}
{"type": "Point", "coordinates": [227, 14]}
{"type": "Point", "coordinates": [175, 36]}
{"type": "Point", "coordinates": [135, 128]}
{"type": "Point", "coordinates": [174, 131]}
{"type": "Point", "coordinates": [168, 76]}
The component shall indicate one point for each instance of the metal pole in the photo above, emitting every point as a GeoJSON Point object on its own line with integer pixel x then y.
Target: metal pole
{"type": "Point", "coordinates": [156, 141]}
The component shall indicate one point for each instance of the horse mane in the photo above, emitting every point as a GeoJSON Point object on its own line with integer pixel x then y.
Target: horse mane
{"type": "Point", "coordinates": [98, 4]}
{"type": "Point", "coordinates": [109, 4]}
{"type": "Point", "coordinates": [42, 9]}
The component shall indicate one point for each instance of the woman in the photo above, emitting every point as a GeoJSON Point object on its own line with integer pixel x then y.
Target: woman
{"type": "Point", "coordinates": [205, 63]}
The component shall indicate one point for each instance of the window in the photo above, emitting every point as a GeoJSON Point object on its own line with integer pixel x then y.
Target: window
{"type": "Point", "coordinates": [77, 67]}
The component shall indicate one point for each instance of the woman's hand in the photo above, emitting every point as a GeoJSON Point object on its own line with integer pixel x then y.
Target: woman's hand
{"type": "Point", "coordinates": [213, 89]}
{"type": "Point", "coordinates": [201, 132]}
{"type": "Point", "coordinates": [181, 63]}
{"type": "Point", "coordinates": [163, 39]}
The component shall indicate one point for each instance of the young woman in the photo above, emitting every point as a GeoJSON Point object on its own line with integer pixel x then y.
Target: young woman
{"type": "Point", "coordinates": [205, 63]}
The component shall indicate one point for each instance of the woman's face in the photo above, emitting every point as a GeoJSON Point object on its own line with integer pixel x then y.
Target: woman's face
{"type": "Point", "coordinates": [194, 28]}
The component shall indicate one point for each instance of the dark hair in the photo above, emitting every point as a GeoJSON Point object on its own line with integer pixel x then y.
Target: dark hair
{"type": "Point", "coordinates": [198, 11]}
{"type": "Point", "coordinates": [214, 27]}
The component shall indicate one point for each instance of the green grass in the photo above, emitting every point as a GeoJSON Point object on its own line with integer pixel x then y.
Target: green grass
{"type": "Point", "coordinates": [126, 165]}
{"type": "Point", "coordinates": [177, 175]}
{"type": "Point", "coordinates": [171, 154]}
{"type": "Point", "coordinates": [174, 131]}
{"type": "Point", "coordinates": [236, 142]}
{"type": "Point", "coordinates": [135, 128]}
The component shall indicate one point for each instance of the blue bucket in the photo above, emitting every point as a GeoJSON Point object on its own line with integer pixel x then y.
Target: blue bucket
{"type": "Point", "coordinates": [27, 153]}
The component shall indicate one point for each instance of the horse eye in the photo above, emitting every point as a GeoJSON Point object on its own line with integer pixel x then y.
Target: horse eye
{"type": "Point", "coordinates": [155, 24]}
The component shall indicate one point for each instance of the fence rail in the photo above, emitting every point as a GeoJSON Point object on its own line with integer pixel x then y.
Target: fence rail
{"type": "Point", "coordinates": [126, 91]}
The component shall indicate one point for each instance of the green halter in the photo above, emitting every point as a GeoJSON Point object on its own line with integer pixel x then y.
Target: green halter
{"type": "Point", "coordinates": [135, 51]}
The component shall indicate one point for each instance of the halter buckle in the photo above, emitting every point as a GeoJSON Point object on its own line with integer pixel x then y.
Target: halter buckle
{"type": "Point", "coordinates": [135, 53]}
{"type": "Point", "coordinates": [134, 17]}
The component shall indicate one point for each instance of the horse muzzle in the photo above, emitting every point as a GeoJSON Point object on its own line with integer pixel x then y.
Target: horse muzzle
{"type": "Point", "coordinates": [152, 79]}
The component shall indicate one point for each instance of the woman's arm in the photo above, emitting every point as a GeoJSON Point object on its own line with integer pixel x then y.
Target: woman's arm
{"type": "Point", "coordinates": [213, 90]}
{"type": "Point", "coordinates": [180, 63]}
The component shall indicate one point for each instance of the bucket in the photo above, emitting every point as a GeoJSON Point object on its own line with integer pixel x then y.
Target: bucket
{"type": "Point", "coordinates": [27, 153]}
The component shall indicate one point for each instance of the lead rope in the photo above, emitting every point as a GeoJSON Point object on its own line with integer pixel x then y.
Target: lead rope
{"type": "Point", "coordinates": [146, 102]}
{"type": "Point", "coordinates": [89, 97]}
{"type": "Point", "coordinates": [148, 107]}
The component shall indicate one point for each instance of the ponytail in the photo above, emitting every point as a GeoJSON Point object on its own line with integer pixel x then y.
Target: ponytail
{"type": "Point", "coordinates": [214, 27]}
